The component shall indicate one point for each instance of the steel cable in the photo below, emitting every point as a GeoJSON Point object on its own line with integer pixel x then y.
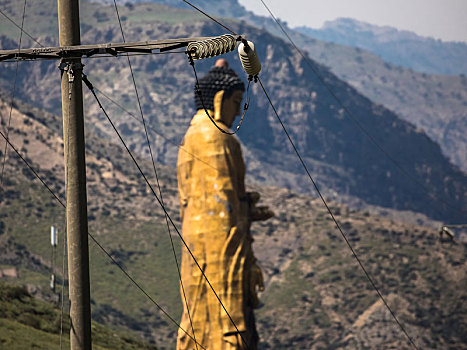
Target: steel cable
{"type": "Point", "coordinates": [5, 152]}
{"type": "Point", "coordinates": [157, 178]}
{"type": "Point", "coordinates": [90, 87]}
{"type": "Point", "coordinates": [357, 123]}
{"type": "Point", "coordinates": [97, 242]}
{"type": "Point", "coordinates": [334, 219]}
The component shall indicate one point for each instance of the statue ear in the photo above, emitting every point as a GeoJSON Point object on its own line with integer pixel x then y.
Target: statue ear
{"type": "Point", "coordinates": [218, 97]}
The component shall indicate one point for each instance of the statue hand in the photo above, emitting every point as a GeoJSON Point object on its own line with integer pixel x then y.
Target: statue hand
{"type": "Point", "coordinates": [257, 277]}
{"type": "Point", "coordinates": [256, 284]}
{"type": "Point", "coordinates": [257, 213]}
{"type": "Point", "coordinates": [260, 213]}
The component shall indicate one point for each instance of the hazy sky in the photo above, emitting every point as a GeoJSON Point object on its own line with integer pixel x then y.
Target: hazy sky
{"type": "Point", "coordinates": [441, 19]}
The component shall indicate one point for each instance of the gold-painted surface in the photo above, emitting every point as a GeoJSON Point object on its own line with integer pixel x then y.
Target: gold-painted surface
{"type": "Point", "coordinates": [218, 97]}
{"type": "Point", "coordinates": [215, 214]}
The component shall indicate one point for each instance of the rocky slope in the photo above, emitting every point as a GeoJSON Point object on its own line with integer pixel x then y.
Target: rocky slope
{"type": "Point", "coordinates": [432, 102]}
{"type": "Point", "coordinates": [343, 159]}
{"type": "Point", "coordinates": [316, 296]}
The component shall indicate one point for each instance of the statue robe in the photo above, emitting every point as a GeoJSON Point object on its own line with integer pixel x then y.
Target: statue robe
{"type": "Point", "coordinates": [214, 212]}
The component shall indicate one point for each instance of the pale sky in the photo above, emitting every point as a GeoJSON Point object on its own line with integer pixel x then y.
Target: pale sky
{"type": "Point", "coordinates": [440, 19]}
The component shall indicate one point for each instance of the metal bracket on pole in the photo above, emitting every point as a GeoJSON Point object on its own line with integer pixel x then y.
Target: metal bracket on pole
{"type": "Point", "coordinates": [70, 68]}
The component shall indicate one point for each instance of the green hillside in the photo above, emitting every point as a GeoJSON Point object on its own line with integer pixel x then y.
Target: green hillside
{"type": "Point", "coordinates": [130, 228]}
{"type": "Point", "coordinates": [28, 323]}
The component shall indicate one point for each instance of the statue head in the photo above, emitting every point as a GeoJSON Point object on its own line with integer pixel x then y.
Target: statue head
{"type": "Point", "coordinates": [222, 92]}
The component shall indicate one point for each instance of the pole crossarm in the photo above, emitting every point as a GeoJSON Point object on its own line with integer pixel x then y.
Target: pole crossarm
{"type": "Point", "coordinates": [83, 51]}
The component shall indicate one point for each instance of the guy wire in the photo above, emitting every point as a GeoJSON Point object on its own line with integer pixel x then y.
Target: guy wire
{"type": "Point", "coordinates": [94, 239]}
{"type": "Point", "coordinates": [210, 17]}
{"type": "Point", "coordinates": [334, 219]}
{"type": "Point", "coordinates": [157, 177]}
{"type": "Point", "coordinates": [5, 152]}
{"type": "Point", "coordinates": [90, 87]}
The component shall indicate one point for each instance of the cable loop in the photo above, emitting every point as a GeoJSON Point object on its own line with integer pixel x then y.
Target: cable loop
{"type": "Point", "coordinates": [198, 92]}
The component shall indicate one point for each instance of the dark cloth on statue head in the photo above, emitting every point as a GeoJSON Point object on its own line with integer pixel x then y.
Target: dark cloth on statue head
{"type": "Point", "coordinates": [218, 78]}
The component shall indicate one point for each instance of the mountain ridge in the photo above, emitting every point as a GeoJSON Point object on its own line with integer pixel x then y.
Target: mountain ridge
{"type": "Point", "coordinates": [433, 103]}
{"type": "Point", "coordinates": [399, 47]}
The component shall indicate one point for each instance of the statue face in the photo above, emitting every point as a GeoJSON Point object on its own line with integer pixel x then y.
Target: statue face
{"type": "Point", "coordinates": [231, 107]}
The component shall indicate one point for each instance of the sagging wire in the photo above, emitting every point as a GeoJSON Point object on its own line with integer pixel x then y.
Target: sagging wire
{"type": "Point", "coordinates": [357, 123]}
{"type": "Point", "coordinates": [180, 147]}
{"type": "Point", "coordinates": [335, 220]}
{"type": "Point", "coordinates": [20, 28]}
{"type": "Point", "coordinates": [95, 240]}
{"type": "Point", "coordinates": [91, 89]}
{"type": "Point", "coordinates": [210, 17]}
{"type": "Point", "coordinates": [198, 92]}
{"type": "Point", "coordinates": [157, 178]}
{"type": "Point", "coordinates": [5, 152]}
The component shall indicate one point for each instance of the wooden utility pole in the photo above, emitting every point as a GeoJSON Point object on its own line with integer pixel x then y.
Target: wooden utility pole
{"type": "Point", "coordinates": [75, 179]}
{"type": "Point", "coordinates": [69, 53]}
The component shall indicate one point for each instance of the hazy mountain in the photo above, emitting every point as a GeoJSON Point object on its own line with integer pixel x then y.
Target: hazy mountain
{"type": "Point", "coordinates": [398, 47]}
{"type": "Point", "coordinates": [434, 103]}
